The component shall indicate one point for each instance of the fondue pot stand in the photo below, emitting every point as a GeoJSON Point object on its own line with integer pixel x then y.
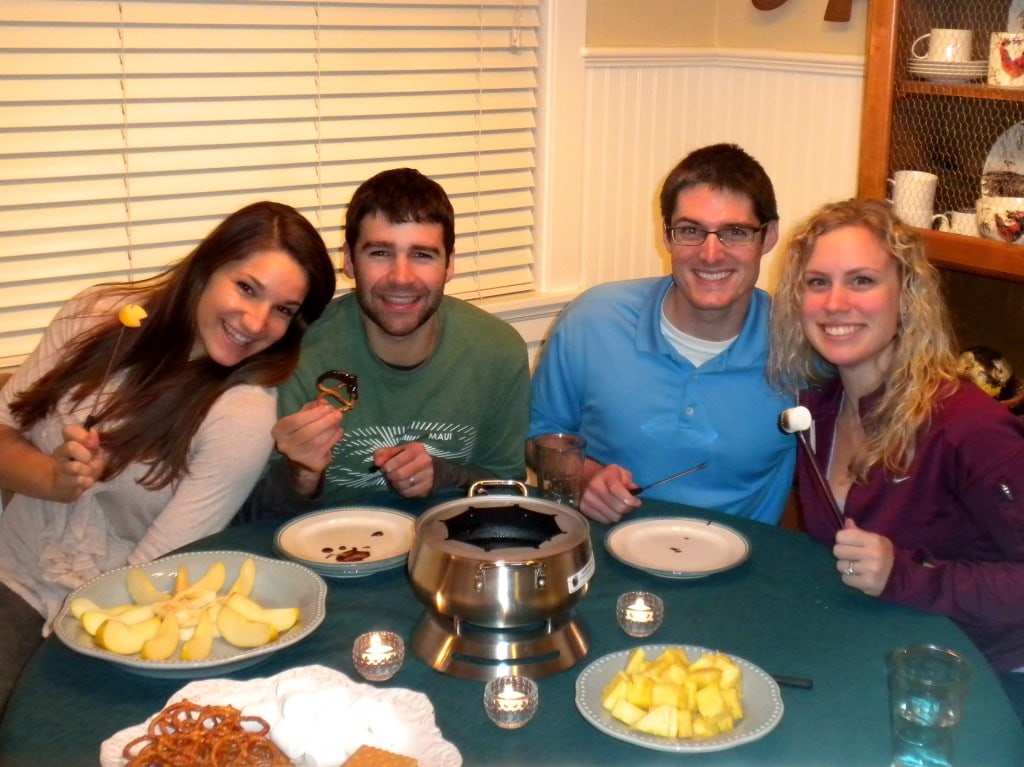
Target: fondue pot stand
{"type": "Point", "coordinates": [500, 575]}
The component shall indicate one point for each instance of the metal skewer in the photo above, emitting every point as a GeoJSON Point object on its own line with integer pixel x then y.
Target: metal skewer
{"type": "Point", "coordinates": [92, 419]}
{"type": "Point", "coordinates": [796, 420]}
{"type": "Point", "coordinates": [691, 470]}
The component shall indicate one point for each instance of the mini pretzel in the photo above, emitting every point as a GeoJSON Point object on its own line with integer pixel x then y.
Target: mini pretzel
{"type": "Point", "coordinates": [338, 389]}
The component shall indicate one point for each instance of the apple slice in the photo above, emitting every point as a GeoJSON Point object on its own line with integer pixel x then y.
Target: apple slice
{"type": "Point", "coordinates": [91, 620]}
{"type": "Point", "coordinates": [141, 588]}
{"type": "Point", "coordinates": [246, 579]}
{"type": "Point", "coordinates": [200, 643]}
{"type": "Point", "coordinates": [281, 618]}
{"type": "Point", "coordinates": [131, 315]}
{"type": "Point", "coordinates": [164, 642]}
{"type": "Point", "coordinates": [118, 637]}
{"type": "Point", "coordinates": [242, 632]}
{"type": "Point", "coordinates": [213, 579]}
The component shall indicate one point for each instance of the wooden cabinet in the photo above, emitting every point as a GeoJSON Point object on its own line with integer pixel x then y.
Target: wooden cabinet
{"type": "Point", "coordinates": [945, 128]}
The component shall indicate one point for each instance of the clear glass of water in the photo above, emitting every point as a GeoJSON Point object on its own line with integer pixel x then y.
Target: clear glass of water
{"type": "Point", "coordinates": [928, 688]}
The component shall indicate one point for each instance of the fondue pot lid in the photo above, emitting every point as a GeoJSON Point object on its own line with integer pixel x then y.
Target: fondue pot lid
{"type": "Point", "coordinates": [502, 527]}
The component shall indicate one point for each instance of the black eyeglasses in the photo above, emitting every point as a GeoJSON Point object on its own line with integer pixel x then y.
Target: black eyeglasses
{"type": "Point", "coordinates": [732, 236]}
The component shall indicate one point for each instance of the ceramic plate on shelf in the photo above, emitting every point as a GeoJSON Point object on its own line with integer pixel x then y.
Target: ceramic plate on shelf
{"type": "Point", "coordinates": [349, 541]}
{"type": "Point", "coordinates": [1015, 18]}
{"type": "Point", "coordinates": [762, 704]}
{"type": "Point", "coordinates": [949, 72]}
{"type": "Point", "coordinates": [1003, 172]}
{"type": "Point", "coordinates": [677, 547]}
{"type": "Point", "coordinates": [277, 584]}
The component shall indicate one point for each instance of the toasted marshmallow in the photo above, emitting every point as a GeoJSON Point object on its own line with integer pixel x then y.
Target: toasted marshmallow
{"type": "Point", "coordinates": [795, 419]}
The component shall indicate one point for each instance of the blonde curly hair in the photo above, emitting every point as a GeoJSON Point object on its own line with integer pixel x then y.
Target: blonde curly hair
{"type": "Point", "coordinates": [923, 368]}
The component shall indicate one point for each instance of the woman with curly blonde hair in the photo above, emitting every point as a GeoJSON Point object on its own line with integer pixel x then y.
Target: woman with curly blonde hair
{"type": "Point", "coordinates": [924, 468]}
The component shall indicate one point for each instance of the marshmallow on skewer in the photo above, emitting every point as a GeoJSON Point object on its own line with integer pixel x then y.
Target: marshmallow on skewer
{"type": "Point", "coordinates": [795, 419]}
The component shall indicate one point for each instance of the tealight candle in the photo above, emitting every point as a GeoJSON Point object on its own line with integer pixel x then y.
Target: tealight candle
{"type": "Point", "coordinates": [377, 655]}
{"type": "Point", "coordinates": [639, 613]}
{"type": "Point", "coordinates": [510, 701]}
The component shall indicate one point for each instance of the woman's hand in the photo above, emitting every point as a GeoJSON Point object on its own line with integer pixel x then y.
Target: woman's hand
{"type": "Point", "coordinates": [78, 464]}
{"type": "Point", "coordinates": [606, 492]}
{"type": "Point", "coordinates": [408, 468]}
{"type": "Point", "coordinates": [864, 559]}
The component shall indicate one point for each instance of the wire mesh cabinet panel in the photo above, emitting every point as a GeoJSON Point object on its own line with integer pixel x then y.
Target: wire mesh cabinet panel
{"type": "Point", "coordinates": [944, 119]}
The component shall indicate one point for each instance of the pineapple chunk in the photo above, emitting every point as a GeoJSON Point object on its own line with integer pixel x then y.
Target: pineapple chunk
{"type": "Point", "coordinates": [710, 702]}
{"type": "Point", "coordinates": [640, 691]}
{"type": "Point", "coordinates": [626, 712]}
{"type": "Point", "coordinates": [703, 728]}
{"type": "Point", "coordinates": [615, 690]}
{"type": "Point", "coordinates": [636, 661]}
{"type": "Point", "coordinates": [660, 720]}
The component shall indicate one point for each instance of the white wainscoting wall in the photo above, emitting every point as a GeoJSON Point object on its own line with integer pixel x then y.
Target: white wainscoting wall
{"type": "Point", "coordinates": [643, 110]}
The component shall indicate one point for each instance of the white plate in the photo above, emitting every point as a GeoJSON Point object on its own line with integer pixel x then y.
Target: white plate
{"type": "Point", "coordinates": [1005, 156]}
{"type": "Point", "coordinates": [677, 547]}
{"type": "Point", "coordinates": [316, 539]}
{"type": "Point", "coordinates": [762, 704]}
{"type": "Point", "coordinates": [408, 716]}
{"type": "Point", "coordinates": [1015, 18]}
{"type": "Point", "coordinates": [947, 66]}
{"type": "Point", "coordinates": [278, 584]}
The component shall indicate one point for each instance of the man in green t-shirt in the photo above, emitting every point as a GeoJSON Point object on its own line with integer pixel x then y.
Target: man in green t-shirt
{"type": "Point", "coordinates": [442, 395]}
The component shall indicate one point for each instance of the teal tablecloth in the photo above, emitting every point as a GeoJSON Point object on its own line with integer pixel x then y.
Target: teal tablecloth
{"type": "Point", "coordinates": [784, 609]}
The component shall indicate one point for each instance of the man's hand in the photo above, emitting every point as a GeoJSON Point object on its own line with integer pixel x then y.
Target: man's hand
{"type": "Point", "coordinates": [864, 559]}
{"type": "Point", "coordinates": [306, 438]}
{"type": "Point", "coordinates": [78, 464]}
{"type": "Point", "coordinates": [408, 469]}
{"type": "Point", "coordinates": [606, 496]}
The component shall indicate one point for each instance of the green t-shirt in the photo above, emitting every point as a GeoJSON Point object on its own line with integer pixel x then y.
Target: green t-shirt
{"type": "Point", "coordinates": [468, 403]}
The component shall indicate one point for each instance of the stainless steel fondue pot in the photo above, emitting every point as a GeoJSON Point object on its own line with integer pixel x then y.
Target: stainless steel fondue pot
{"type": "Point", "coordinates": [501, 561]}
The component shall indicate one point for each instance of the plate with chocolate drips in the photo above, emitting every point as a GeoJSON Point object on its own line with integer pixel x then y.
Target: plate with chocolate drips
{"type": "Point", "coordinates": [348, 541]}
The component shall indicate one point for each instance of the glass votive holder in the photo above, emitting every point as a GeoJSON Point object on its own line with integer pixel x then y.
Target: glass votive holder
{"type": "Point", "coordinates": [510, 701]}
{"type": "Point", "coordinates": [378, 655]}
{"type": "Point", "coordinates": [639, 613]}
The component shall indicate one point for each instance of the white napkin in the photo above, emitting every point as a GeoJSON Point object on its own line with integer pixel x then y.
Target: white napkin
{"type": "Point", "coordinates": [318, 717]}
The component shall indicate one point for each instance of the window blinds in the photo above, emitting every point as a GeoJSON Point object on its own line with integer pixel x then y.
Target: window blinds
{"type": "Point", "coordinates": [130, 129]}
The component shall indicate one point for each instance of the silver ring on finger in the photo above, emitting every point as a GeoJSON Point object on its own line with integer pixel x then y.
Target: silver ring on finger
{"type": "Point", "coordinates": [849, 569]}
{"type": "Point", "coordinates": [412, 480]}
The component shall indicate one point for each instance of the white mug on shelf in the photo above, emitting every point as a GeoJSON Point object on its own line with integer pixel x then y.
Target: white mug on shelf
{"type": "Point", "coordinates": [949, 45]}
{"type": "Point", "coordinates": [1006, 59]}
{"type": "Point", "coordinates": [913, 196]}
{"type": "Point", "coordinates": [963, 222]}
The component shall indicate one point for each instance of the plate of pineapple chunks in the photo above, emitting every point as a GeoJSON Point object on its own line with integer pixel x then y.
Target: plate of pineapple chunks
{"type": "Point", "coordinates": [191, 615]}
{"type": "Point", "coordinates": [679, 698]}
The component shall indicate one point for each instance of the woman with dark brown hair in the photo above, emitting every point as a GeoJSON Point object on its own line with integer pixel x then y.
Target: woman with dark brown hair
{"type": "Point", "coordinates": [124, 443]}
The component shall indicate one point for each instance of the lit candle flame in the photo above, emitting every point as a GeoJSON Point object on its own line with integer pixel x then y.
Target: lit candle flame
{"type": "Point", "coordinates": [639, 611]}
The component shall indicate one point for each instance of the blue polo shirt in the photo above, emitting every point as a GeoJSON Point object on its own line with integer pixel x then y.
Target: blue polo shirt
{"type": "Point", "coordinates": [607, 372]}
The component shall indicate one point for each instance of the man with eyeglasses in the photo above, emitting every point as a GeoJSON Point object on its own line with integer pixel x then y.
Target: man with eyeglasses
{"type": "Point", "coordinates": [665, 373]}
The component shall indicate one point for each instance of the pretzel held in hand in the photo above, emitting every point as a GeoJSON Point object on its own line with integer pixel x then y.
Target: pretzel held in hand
{"type": "Point", "coordinates": [338, 389]}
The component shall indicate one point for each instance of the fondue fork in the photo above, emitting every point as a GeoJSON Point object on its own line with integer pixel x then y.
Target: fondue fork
{"type": "Point", "coordinates": [691, 470]}
{"type": "Point", "coordinates": [797, 420]}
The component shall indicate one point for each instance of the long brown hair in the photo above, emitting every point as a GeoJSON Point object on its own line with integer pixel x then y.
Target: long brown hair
{"type": "Point", "coordinates": [923, 368]}
{"type": "Point", "coordinates": [164, 396]}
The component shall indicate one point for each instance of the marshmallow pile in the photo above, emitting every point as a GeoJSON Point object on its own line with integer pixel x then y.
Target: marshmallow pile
{"type": "Point", "coordinates": [321, 723]}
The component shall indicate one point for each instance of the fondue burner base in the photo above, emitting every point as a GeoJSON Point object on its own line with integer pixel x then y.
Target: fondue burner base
{"type": "Point", "coordinates": [478, 652]}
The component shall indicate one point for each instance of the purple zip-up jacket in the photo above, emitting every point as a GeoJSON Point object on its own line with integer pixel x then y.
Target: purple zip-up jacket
{"type": "Point", "coordinates": [956, 520]}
